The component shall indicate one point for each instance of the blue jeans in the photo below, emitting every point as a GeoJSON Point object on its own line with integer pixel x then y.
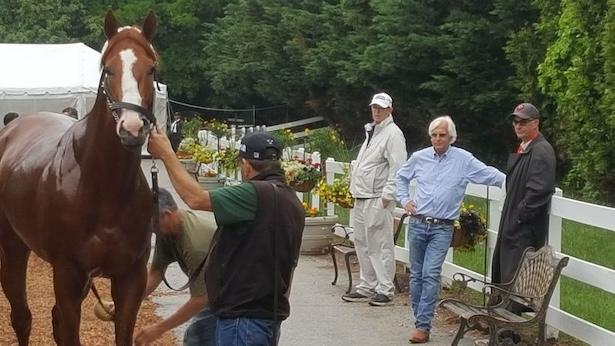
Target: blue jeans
{"type": "Point", "coordinates": [244, 331]}
{"type": "Point", "coordinates": [428, 247]}
{"type": "Point", "coordinates": [202, 329]}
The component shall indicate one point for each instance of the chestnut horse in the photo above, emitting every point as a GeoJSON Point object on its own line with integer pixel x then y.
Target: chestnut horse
{"type": "Point", "coordinates": [74, 193]}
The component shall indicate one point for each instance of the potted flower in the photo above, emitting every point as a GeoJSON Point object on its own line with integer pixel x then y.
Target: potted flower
{"type": "Point", "coordinates": [191, 127]}
{"type": "Point", "coordinates": [227, 161]}
{"type": "Point", "coordinates": [317, 231]}
{"type": "Point", "coordinates": [217, 128]}
{"type": "Point", "coordinates": [470, 229]}
{"type": "Point", "coordinates": [185, 154]}
{"type": "Point", "coordinates": [302, 175]}
{"type": "Point", "coordinates": [338, 192]}
{"type": "Point", "coordinates": [286, 139]}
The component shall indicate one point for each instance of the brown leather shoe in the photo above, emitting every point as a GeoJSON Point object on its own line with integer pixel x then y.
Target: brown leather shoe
{"type": "Point", "coordinates": [419, 336]}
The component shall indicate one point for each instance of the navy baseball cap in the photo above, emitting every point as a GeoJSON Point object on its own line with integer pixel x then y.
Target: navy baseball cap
{"type": "Point", "coordinates": [260, 146]}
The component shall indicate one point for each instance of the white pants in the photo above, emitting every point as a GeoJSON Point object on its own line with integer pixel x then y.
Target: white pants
{"type": "Point", "coordinates": [373, 241]}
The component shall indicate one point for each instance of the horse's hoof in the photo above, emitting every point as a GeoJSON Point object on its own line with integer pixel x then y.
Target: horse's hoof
{"type": "Point", "coordinates": [104, 311]}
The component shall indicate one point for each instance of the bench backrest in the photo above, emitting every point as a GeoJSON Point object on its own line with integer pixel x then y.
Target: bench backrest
{"type": "Point", "coordinates": [537, 276]}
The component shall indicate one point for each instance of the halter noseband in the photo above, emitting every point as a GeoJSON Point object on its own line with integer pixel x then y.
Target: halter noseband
{"type": "Point", "coordinates": [116, 106]}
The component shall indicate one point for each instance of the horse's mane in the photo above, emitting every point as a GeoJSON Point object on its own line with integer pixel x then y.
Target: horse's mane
{"type": "Point", "coordinates": [130, 33]}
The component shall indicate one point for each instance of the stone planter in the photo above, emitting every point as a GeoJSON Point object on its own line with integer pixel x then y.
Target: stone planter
{"type": "Point", "coordinates": [211, 183]}
{"type": "Point", "coordinates": [190, 165]}
{"type": "Point", "coordinates": [317, 234]}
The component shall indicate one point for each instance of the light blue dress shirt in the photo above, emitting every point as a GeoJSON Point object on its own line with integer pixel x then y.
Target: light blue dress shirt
{"type": "Point", "coordinates": [441, 180]}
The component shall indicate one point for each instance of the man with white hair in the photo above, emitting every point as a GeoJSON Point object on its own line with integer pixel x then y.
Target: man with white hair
{"type": "Point", "coordinates": [442, 173]}
{"type": "Point", "coordinates": [373, 186]}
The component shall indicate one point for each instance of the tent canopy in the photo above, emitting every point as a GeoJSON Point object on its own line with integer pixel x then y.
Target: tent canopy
{"type": "Point", "coordinates": [51, 77]}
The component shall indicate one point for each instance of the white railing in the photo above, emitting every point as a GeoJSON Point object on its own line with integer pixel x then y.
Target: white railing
{"type": "Point", "coordinates": [561, 208]}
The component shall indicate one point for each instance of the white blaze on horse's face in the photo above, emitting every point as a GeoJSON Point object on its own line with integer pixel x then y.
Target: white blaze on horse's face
{"type": "Point", "coordinates": [129, 119]}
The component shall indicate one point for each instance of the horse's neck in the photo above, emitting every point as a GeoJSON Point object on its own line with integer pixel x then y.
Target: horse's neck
{"type": "Point", "coordinates": [100, 152]}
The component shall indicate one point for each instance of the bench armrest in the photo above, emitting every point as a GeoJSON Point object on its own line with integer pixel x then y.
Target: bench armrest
{"type": "Point", "coordinates": [463, 279]}
{"type": "Point", "coordinates": [346, 229]}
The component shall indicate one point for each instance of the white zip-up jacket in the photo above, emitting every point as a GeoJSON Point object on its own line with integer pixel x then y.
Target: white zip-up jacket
{"type": "Point", "coordinates": [377, 163]}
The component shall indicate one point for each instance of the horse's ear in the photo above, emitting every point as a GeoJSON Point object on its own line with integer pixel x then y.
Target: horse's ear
{"type": "Point", "coordinates": [110, 25]}
{"type": "Point", "coordinates": [149, 26]}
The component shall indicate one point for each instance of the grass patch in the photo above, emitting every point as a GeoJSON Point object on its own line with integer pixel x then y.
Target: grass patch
{"type": "Point", "coordinates": [588, 302]}
{"type": "Point", "coordinates": [593, 244]}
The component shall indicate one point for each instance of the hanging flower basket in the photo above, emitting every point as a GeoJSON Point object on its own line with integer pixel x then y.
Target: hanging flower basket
{"type": "Point", "coordinates": [301, 175]}
{"type": "Point", "coordinates": [469, 230]}
{"type": "Point", "coordinates": [460, 238]}
{"type": "Point", "coordinates": [304, 186]}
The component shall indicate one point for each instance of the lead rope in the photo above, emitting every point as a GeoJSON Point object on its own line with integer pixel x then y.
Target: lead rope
{"type": "Point", "coordinates": [156, 216]}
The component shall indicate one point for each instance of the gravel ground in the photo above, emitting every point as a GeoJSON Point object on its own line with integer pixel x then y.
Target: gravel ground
{"type": "Point", "coordinates": [41, 300]}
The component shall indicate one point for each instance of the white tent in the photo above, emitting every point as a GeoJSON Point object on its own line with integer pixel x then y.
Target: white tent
{"type": "Point", "coordinates": [51, 77]}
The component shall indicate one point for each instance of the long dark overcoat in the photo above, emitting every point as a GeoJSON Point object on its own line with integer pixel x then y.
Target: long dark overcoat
{"type": "Point", "coordinates": [530, 183]}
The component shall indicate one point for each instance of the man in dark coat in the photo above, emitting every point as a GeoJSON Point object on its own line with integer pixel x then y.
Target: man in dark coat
{"type": "Point", "coordinates": [175, 133]}
{"type": "Point", "coordinates": [530, 183]}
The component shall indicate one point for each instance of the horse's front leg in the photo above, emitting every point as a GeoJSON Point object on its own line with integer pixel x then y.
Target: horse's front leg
{"type": "Point", "coordinates": [70, 286]}
{"type": "Point", "coordinates": [127, 291]}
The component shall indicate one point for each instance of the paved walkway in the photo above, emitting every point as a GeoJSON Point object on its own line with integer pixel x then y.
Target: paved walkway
{"type": "Point", "coordinates": [318, 315]}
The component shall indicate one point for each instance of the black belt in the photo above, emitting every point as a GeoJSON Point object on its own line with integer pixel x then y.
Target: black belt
{"type": "Point", "coordinates": [433, 220]}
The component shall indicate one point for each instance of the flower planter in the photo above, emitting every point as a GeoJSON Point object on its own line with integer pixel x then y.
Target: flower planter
{"type": "Point", "coordinates": [317, 234]}
{"type": "Point", "coordinates": [211, 183]}
{"type": "Point", "coordinates": [190, 165]}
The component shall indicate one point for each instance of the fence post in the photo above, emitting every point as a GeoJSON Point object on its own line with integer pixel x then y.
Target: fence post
{"type": "Point", "coordinates": [330, 177]}
{"type": "Point", "coordinates": [555, 241]}
{"type": "Point", "coordinates": [315, 197]}
{"type": "Point", "coordinates": [493, 223]}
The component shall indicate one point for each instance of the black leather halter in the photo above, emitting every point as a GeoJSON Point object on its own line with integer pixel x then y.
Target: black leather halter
{"type": "Point", "coordinates": [116, 106]}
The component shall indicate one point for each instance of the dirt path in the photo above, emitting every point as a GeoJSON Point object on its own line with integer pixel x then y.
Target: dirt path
{"type": "Point", "coordinates": [41, 300]}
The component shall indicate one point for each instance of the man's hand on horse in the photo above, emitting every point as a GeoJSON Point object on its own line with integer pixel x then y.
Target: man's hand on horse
{"type": "Point", "coordinates": [159, 145]}
{"type": "Point", "coordinates": [148, 335]}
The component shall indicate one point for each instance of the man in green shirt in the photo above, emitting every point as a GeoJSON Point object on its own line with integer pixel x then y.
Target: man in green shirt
{"type": "Point", "coordinates": [184, 237]}
{"type": "Point", "coordinates": [256, 247]}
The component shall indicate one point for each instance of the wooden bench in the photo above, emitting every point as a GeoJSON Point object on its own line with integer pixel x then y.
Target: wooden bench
{"type": "Point", "coordinates": [346, 248]}
{"type": "Point", "coordinates": [531, 287]}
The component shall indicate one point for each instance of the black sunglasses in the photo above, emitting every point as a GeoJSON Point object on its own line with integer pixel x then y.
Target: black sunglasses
{"type": "Point", "coordinates": [522, 122]}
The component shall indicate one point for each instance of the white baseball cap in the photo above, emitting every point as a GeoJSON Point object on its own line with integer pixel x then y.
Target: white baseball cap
{"type": "Point", "coordinates": [383, 100]}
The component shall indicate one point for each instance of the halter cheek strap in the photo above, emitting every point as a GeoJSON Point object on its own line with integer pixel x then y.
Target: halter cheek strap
{"type": "Point", "coordinates": [116, 106]}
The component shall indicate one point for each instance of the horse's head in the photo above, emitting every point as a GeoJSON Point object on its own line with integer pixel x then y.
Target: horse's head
{"type": "Point", "coordinates": [129, 64]}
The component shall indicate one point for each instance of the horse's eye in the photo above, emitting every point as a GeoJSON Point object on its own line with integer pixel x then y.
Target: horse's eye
{"type": "Point", "coordinates": [107, 71]}
{"type": "Point", "coordinates": [152, 71]}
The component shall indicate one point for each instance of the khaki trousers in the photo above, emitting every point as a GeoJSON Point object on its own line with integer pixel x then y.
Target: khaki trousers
{"type": "Point", "coordinates": [373, 241]}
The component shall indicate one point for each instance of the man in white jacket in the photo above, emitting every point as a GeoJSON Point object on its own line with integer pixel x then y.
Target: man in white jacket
{"type": "Point", "coordinates": [373, 186]}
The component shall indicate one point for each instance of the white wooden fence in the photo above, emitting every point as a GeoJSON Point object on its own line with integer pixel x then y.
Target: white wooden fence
{"type": "Point", "coordinates": [561, 208]}
{"type": "Point", "coordinates": [578, 269]}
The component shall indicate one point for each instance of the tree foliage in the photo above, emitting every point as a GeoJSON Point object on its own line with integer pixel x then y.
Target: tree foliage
{"type": "Point", "coordinates": [474, 60]}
